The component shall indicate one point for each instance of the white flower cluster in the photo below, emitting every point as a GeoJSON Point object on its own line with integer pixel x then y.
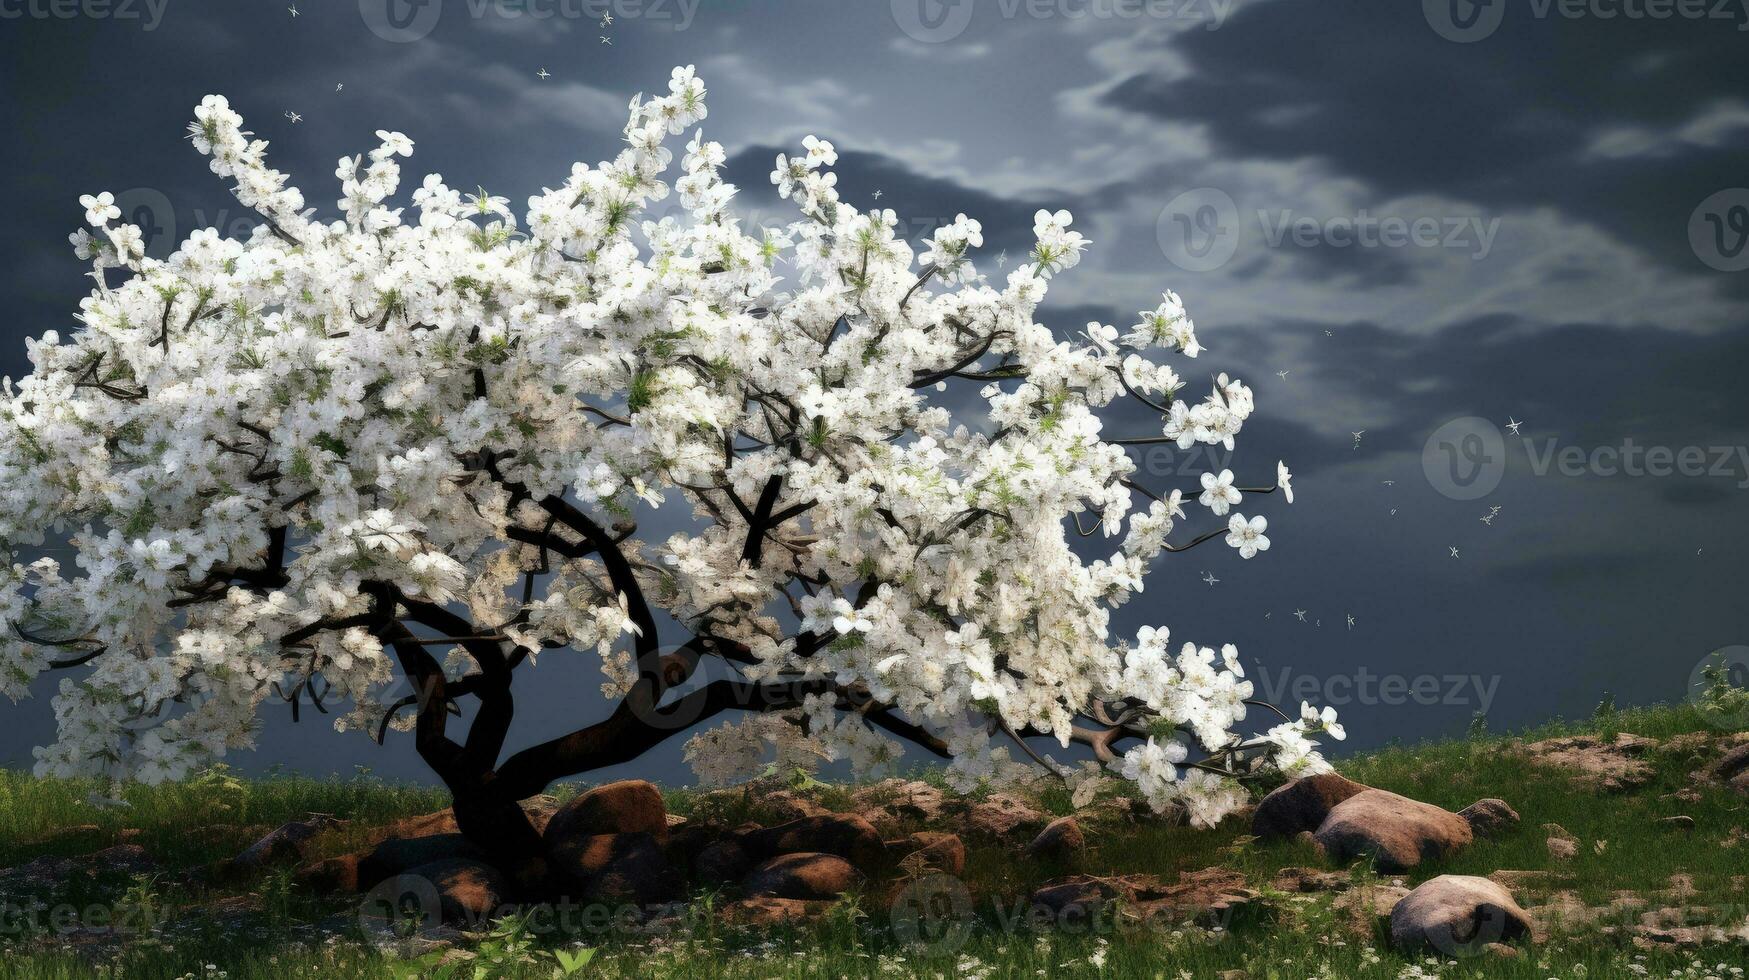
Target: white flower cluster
{"type": "Point", "coordinates": [246, 439]}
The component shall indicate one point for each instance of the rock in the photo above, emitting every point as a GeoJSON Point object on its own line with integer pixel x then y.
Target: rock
{"type": "Point", "coordinates": [1396, 832]}
{"type": "Point", "coordinates": [424, 825]}
{"type": "Point", "coordinates": [1732, 769]}
{"type": "Point", "coordinates": [801, 876]}
{"type": "Point", "coordinates": [630, 806]}
{"type": "Point", "coordinates": [767, 912]}
{"type": "Point", "coordinates": [785, 804]}
{"type": "Point", "coordinates": [1678, 822]}
{"type": "Point", "coordinates": [1595, 764]}
{"type": "Point", "coordinates": [400, 855]}
{"type": "Point", "coordinates": [1207, 897]}
{"type": "Point", "coordinates": [1303, 880]}
{"type": "Point", "coordinates": [1301, 805]}
{"type": "Point", "coordinates": [722, 861]}
{"type": "Point", "coordinates": [469, 892]}
{"type": "Point", "coordinates": [336, 874]}
{"type": "Point", "coordinates": [540, 810]}
{"type": "Point", "coordinates": [848, 836]}
{"type": "Point", "coordinates": [1060, 838]}
{"type": "Point", "coordinates": [285, 843]}
{"type": "Point", "coordinates": [1457, 915]}
{"type": "Point", "coordinates": [929, 850]}
{"type": "Point", "coordinates": [1002, 816]}
{"type": "Point", "coordinates": [1489, 817]}
{"type": "Point", "coordinates": [687, 841]}
{"type": "Point", "coordinates": [615, 868]}
{"type": "Point", "coordinates": [901, 799]}
{"type": "Point", "coordinates": [1563, 846]}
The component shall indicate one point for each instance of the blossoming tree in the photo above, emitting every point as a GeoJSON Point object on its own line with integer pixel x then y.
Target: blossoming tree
{"type": "Point", "coordinates": [381, 466]}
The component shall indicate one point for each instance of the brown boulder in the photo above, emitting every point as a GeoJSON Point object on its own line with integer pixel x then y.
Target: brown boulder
{"type": "Point", "coordinates": [1457, 915]}
{"type": "Point", "coordinates": [630, 806]}
{"type": "Point", "coordinates": [1396, 832]}
{"type": "Point", "coordinates": [722, 861]}
{"type": "Point", "coordinates": [1301, 805]}
{"type": "Point", "coordinates": [766, 912]}
{"type": "Point", "coordinates": [400, 855]}
{"type": "Point", "coordinates": [846, 835]}
{"type": "Point", "coordinates": [615, 868]}
{"type": "Point", "coordinates": [802, 876]}
{"type": "Point", "coordinates": [1489, 817]}
{"type": "Point", "coordinates": [1002, 816]}
{"type": "Point", "coordinates": [929, 850]}
{"type": "Point", "coordinates": [285, 843]}
{"type": "Point", "coordinates": [336, 874]}
{"type": "Point", "coordinates": [686, 841]}
{"type": "Point", "coordinates": [469, 892]}
{"type": "Point", "coordinates": [1732, 769]}
{"type": "Point", "coordinates": [893, 800]}
{"type": "Point", "coordinates": [1060, 838]}
{"type": "Point", "coordinates": [540, 809]}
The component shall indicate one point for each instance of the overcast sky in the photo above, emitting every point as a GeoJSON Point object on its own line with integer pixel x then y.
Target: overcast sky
{"type": "Point", "coordinates": [1435, 218]}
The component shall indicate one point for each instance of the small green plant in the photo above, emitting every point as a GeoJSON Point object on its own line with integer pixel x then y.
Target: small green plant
{"type": "Point", "coordinates": [1720, 697]}
{"type": "Point", "coordinates": [1478, 726]}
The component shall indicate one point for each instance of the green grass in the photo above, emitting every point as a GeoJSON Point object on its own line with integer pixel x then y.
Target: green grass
{"type": "Point", "coordinates": [292, 935]}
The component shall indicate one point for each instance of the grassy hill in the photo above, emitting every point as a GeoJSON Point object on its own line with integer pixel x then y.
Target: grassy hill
{"type": "Point", "coordinates": [1637, 893]}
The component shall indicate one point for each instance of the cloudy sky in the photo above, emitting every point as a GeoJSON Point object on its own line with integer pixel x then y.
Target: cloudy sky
{"type": "Point", "coordinates": [1436, 218]}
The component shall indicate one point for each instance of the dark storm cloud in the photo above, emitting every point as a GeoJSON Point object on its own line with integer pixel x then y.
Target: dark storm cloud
{"type": "Point", "coordinates": [1509, 121]}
